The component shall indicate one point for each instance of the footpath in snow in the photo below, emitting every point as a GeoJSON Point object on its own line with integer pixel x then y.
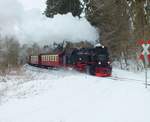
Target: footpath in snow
{"type": "Point", "coordinates": [40, 95]}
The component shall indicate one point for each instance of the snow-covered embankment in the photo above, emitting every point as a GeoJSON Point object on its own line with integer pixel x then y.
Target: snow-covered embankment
{"type": "Point", "coordinates": [69, 96]}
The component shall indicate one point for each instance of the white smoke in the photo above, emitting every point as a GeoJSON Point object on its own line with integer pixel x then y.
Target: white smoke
{"type": "Point", "coordinates": [32, 26]}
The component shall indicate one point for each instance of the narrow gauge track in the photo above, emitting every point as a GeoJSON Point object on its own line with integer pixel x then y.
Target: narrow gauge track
{"type": "Point", "coordinates": [127, 79]}
{"type": "Point", "coordinates": [112, 77]}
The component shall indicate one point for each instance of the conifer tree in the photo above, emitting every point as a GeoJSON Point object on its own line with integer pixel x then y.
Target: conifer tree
{"type": "Point", "coordinates": [63, 7]}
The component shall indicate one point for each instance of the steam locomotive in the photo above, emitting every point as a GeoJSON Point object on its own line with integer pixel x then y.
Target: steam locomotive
{"type": "Point", "coordinates": [93, 61]}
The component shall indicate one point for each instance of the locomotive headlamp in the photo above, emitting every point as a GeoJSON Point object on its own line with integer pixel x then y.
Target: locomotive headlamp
{"type": "Point", "coordinates": [109, 62]}
{"type": "Point", "coordinates": [99, 62]}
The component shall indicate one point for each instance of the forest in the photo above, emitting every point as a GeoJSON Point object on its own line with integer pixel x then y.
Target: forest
{"type": "Point", "coordinates": [120, 24]}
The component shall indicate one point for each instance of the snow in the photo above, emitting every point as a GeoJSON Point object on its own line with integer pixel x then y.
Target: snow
{"type": "Point", "coordinates": [66, 95]}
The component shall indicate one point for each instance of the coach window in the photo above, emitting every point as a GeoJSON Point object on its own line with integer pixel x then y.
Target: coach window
{"type": "Point", "coordinates": [46, 58]}
{"type": "Point", "coordinates": [50, 58]}
{"type": "Point", "coordinates": [54, 58]}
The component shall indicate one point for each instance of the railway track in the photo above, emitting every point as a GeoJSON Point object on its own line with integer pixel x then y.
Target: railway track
{"type": "Point", "coordinates": [128, 79]}
{"type": "Point", "coordinates": [117, 78]}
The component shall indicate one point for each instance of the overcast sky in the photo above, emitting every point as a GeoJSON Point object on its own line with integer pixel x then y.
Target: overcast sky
{"type": "Point", "coordinates": [31, 4]}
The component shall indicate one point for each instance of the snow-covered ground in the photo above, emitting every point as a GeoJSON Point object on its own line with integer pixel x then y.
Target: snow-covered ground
{"type": "Point", "coordinates": [40, 95]}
